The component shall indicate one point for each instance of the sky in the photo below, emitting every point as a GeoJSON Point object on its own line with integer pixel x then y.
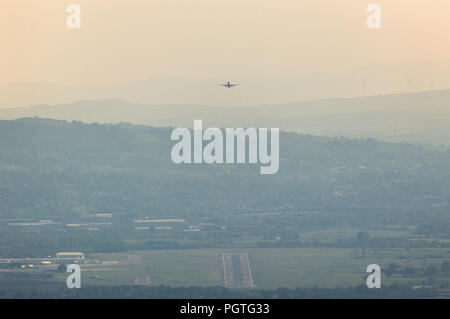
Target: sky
{"type": "Point", "coordinates": [132, 40]}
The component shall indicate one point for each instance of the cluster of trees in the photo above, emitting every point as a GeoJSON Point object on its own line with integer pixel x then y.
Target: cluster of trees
{"type": "Point", "coordinates": [408, 271]}
{"type": "Point", "coordinates": [17, 244]}
{"type": "Point", "coordinates": [164, 292]}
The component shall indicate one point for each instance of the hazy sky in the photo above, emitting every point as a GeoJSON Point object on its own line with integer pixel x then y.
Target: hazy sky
{"type": "Point", "coordinates": [122, 41]}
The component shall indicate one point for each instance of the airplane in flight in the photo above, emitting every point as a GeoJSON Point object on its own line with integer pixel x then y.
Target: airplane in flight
{"type": "Point", "coordinates": [229, 85]}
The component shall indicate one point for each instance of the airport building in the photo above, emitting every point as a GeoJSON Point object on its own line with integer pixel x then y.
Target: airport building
{"type": "Point", "coordinates": [70, 255]}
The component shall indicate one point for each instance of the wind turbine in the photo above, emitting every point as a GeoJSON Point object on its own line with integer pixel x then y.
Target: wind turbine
{"type": "Point", "coordinates": [432, 82]}
{"type": "Point", "coordinates": [409, 82]}
{"type": "Point", "coordinates": [364, 88]}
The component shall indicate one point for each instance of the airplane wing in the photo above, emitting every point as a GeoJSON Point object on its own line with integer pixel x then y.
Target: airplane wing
{"type": "Point", "coordinates": [228, 85]}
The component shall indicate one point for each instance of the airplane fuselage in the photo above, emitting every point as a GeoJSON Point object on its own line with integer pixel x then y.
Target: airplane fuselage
{"type": "Point", "coordinates": [229, 85]}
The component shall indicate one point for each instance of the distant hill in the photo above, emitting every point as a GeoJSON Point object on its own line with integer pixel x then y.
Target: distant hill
{"type": "Point", "coordinates": [419, 117]}
{"type": "Point", "coordinates": [387, 77]}
{"type": "Point", "coordinates": [50, 167]}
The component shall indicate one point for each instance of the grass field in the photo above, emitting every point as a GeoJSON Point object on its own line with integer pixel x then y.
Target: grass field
{"type": "Point", "coordinates": [271, 267]}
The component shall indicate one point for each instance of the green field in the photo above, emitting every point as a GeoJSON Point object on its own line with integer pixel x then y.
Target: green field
{"type": "Point", "coordinates": [271, 267]}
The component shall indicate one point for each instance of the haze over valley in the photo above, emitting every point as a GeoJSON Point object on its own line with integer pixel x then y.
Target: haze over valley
{"type": "Point", "coordinates": [416, 118]}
